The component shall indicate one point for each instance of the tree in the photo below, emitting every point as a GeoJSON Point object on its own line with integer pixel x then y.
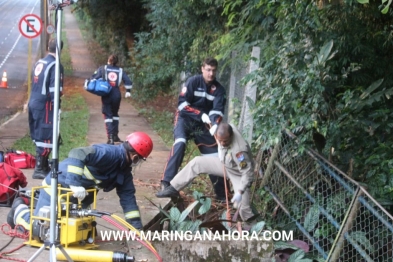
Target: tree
{"type": "Point", "coordinates": [323, 70]}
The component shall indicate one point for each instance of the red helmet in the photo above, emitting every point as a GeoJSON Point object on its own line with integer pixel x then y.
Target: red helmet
{"type": "Point", "coordinates": [141, 142]}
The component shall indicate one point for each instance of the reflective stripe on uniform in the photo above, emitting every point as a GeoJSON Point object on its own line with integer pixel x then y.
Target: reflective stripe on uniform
{"type": "Point", "coordinates": [132, 214]}
{"type": "Point", "coordinates": [183, 105]}
{"type": "Point", "coordinates": [46, 188]}
{"type": "Point", "coordinates": [180, 140]}
{"type": "Point", "coordinates": [215, 112]}
{"type": "Point", "coordinates": [204, 94]}
{"type": "Point", "coordinates": [108, 120]}
{"type": "Point", "coordinates": [116, 118]}
{"type": "Point", "coordinates": [75, 170]}
{"type": "Point", "coordinates": [19, 218]}
{"type": "Point", "coordinates": [48, 67]}
{"type": "Point", "coordinates": [89, 176]}
{"type": "Point", "coordinates": [52, 89]}
{"type": "Point", "coordinates": [42, 144]}
{"type": "Point", "coordinates": [120, 77]}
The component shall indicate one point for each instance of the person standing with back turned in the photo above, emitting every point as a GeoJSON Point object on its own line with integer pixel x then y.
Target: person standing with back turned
{"type": "Point", "coordinates": [40, 105]}
{"type": "Point", "coordinates": [201, 103]}
{"type": "Point", "coordinates": [111, 103]}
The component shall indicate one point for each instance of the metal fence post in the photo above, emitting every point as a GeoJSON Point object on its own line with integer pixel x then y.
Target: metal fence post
{"type": "Point", "coordinates": [250, 93]}
{"type": "Point", "coordinates": [348, 221]}
{"type": "Point", "coordinates": [270, 164]}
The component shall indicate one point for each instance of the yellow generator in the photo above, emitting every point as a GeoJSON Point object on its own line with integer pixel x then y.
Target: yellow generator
{"type": "Point", "coordinates": [76, 227]}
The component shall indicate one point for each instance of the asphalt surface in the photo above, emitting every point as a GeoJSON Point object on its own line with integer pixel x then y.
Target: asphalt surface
{"type": "Point", "coordinates": [146, 177]}
{"type": "Point", "coordinates": [15, 54]}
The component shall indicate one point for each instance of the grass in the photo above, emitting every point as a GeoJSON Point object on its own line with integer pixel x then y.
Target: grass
{"type": "Point", "coordinates": [73, 127]}
{"type": "Point", "coordinates": [65, 57]}
{"type": "Point", "coordinates": [158, 120]}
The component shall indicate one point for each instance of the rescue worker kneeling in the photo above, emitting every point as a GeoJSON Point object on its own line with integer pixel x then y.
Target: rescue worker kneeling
{"type": "Point", "coordinates": [98, 166]}
{"type": "Point", "coordinates": [234, 154]}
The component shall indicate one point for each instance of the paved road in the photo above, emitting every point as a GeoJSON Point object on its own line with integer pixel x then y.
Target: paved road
{"type": "Point", "coordinates": [14, 53]}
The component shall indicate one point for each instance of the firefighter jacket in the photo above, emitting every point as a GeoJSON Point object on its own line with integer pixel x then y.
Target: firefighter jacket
{"type": "Point", "coordinates": [102, 166]}
{"type": "Point", "coordinates": [238, 159]}
{"type": "Point", "coordinates": [197, 98]}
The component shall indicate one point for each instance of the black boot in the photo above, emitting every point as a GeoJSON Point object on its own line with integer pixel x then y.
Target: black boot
{"type": "Point", "coordinates": [45, 164]}
{"type": "Point", "coordinates": [39, 173]}
{"type": "Point", "coordinates": [110, 140]}
{"type": "Point", "coordinates": [164, 185]}
{"type": "Point", "coordinates": [169, 191]}
{"type": "Point", "coordinates": [116, 138]}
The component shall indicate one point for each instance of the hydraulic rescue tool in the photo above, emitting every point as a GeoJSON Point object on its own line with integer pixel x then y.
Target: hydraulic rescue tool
{"type": "Point", "coordinates": [75, 230]}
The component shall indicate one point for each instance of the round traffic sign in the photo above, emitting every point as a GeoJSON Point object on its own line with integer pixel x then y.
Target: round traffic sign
{"type": "Point", "coordinates": [30, 26]}
{"type": "Point", "coordinates": [50, 29]}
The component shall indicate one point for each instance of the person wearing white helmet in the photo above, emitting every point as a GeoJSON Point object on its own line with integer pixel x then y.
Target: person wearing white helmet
{"type": "Point", "coordinates": [100, 166]}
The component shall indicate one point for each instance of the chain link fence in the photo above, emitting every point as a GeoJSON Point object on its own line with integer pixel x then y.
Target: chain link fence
{"type": "Point", "coordinates": [323, 207]}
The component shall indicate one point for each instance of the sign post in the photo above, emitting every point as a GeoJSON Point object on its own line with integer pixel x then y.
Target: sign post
{"type": "Point", "coordinates": [30, 26]}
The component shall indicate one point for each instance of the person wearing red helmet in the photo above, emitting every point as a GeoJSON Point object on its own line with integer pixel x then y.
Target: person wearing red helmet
{"type": "Point", "coordinates": [100, 166]}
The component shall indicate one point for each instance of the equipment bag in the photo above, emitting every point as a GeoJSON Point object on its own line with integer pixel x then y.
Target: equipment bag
{"type": "Point", "coordinates": [11, 179]}
{"type": "Point", "coordinates": [100, 87]}
{"type": "Point", "coordinates": [19, 159]}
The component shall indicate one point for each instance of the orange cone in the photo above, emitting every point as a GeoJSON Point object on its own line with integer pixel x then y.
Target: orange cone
{"type": "Point", "coordinates": [4, 83]}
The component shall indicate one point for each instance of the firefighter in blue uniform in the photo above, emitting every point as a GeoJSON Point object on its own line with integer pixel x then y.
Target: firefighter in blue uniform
{"type": "Point", "coordinates": [100, 166]}
{"type": "Point", "coordinates": [111, 103]}
{"type": "Point", "coordinates": [201, 104]}
{"type": "Point", "coordinates": [41, 108]}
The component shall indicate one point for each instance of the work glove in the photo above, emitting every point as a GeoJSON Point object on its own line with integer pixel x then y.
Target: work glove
{"type": "Point", "coordinates": [79, 192]}
{"type": "Point", "coordinates": [213, 130]}
{"type": "Point", "coordinates": [128, 94]}
{"type": "Point", "coordinates": [205, 119]}
{"type": "Point", "coordinates": [236, 199]}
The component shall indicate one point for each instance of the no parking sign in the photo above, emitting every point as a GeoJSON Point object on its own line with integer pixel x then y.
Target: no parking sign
{"type": "Point", "coordinates": [30, 26]}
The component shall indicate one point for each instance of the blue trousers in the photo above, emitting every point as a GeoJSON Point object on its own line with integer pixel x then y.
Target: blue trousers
{"type": "Point", "coordinates": [110, 110]}
{"type": "Point", "coordinates": [41, 126]}
{"type": "Point", "coordinates": [185, 130]}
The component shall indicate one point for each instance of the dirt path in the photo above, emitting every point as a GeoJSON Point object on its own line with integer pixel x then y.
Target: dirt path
{"type": "Point", "coordinates": [146, 177]}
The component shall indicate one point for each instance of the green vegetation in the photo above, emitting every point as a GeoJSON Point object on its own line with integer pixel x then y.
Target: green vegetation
{"type": "Point", "coordinates": [325, 67]}
{"type": "Point", "coordinates": [73, 127]}
{"type": "Point", "coordinates": [159, 121]}
{"type": "Point", "coordinates": [198, 211]}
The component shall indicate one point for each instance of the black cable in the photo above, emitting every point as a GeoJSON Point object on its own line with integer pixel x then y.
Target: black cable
{"type": "Point", "coordinates": [6, 245]}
